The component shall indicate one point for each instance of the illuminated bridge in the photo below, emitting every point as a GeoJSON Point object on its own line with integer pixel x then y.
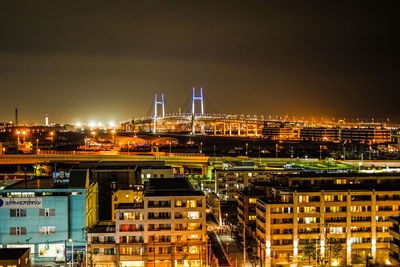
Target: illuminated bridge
{"type": "Point", "coordinates": [195, 122]}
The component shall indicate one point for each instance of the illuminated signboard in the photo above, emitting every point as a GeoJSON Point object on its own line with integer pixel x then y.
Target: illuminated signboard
{"type": "Point", "coordinates": [20, 203]}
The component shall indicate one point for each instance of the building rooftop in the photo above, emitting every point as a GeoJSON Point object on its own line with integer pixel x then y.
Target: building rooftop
{"type": "Point", "coordinates": [77, 179]}
{"type": "Point", "coordinates": [345, 187]}
{"type": "Point", "coordinates": [33, 183]}
{"type": "Point", "coordinates": [251, 191]}
{"type": "Point", "coordinates": [170, 187]}
{"type": "Point", "coordinates": [338, 175]}
{"type": "Point", "coordinates": [12, 253]}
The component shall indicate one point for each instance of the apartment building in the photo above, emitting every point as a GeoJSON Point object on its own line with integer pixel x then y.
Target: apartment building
{"type": "Point", "coordinates": [394, 254]}
{"type": "Point", "coordinates": [167, 229]}
{"type": "Point", "coordinates": [228, 183]}
{"type": "Point", "coordinates": [149, 173]}
{"type": "Point", "coordinates": [302, 179]}
{"type": "Point", "coordinates": [246, 208]}
{"type": "Point", "coordinates": [344, 224]}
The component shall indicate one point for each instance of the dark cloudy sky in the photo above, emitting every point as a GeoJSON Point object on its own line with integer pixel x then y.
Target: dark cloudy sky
{"type": "Point", "coordinates": [104, 60]}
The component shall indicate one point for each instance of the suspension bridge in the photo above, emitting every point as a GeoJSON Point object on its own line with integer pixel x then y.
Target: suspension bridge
{"type": "Point", "coordinates": [197, 121]}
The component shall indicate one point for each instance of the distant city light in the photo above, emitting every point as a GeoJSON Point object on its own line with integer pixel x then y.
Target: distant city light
{"type": "Point", "coordinates": [78, 124]}
{"type": "Point", "coordinates": [92, 124]}
{"type": "Point", "coordinates": [99, 124]}
{"type": "Point", "coordinates": [111, 124]}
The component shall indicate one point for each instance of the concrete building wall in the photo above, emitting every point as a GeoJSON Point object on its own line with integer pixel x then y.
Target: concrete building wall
{"type": "Point", "coordinates": [66, 215]}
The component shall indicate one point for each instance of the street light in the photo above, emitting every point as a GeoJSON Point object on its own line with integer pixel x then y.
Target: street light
{"type": "Point", "coordinates": [169, 143]}
{"type": "Point", "coordinates": [113, 136]}
{"type": "Point", "coordinates": [247, 148]}
{"type": "Point", "coordinates": [72, 251]}
{"type": "Point", "coordinates": [52, 136]}
{"type": "Point", "coordinates": [93, 133]}
{"type": "Point", "coordinates": [37, 146]}
{"type": "Point", "coordinates": [23, 135]}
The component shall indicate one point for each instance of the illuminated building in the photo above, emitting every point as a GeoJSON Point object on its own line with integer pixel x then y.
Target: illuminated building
{"type": "Point", "coordinates": [228, 183]}
{"type": "Point", "coordinates": [149, 173]}
{"type": "Point", "coordinates": [366, 135]}
{"type": "Point", "coordinates": [348, 223]}
{"type": "Point", "coordinates": [167, 229]}
{"type": "Point", "coordinates": [246, 208]}
{"type": "Point", "coordinates": [112, 176]}
{"type": "Point", "coordinates": [281, 133]}
{"type": "Point", "coordinates": [319, 134]}
{"type": "Point", "coordinates": [395, 243]}
{"type": "Point", "coordinates": [42, 214]}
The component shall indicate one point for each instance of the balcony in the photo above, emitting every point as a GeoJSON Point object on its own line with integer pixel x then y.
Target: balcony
{"type": "Point", "coordinates": [164, 228]}
{"type": "Point", "coordinates": [131, 228]}
{"type": "Point", "coordinates": [103, 242]}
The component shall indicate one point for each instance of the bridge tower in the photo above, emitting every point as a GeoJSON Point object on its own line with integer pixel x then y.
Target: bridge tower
{"type": "Point", "coordinates": [201, 99]}
{"type": "Point", "coordinates": [194, 98]}
{"type": "Point", "coordinates": [156, 103]}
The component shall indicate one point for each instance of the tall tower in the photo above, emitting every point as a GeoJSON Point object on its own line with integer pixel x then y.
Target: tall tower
{"type": "Point", "coordinates": [156, 103]}
{"type": "Point", "coordinates": [16, 116]}
{"type": "Point", "coordinates": [46, 120]}
{"type": "Point", "coordinates": [194, 98]}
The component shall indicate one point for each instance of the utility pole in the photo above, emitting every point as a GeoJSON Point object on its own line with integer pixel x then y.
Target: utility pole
{"type": "Point", "coordinates": [370, 152]}
{"type": "Point", "coordinates": [344, 151]}
{"type": "Point", "coordinates": [320, 152]}
{"type": "Point", "coordinates": [244, 244]}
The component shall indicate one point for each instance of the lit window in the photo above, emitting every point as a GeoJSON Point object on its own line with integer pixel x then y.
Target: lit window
{"type": "Point", "coordinates": [336, 230]}
{"type": "Point", "coordinates": [191, 204]}
{"type": "Point", "coordinates": [193, 215]}
{"type": "Point", "coordinates": [304, 198]}
{"type": "Point", "coordinates": [193, 249]}
{"type": "Point", "coordinates": [253, 200]}
{"type": "Point", "coordinates": [252, 217]}
{"type": "Point", "coordinates": [309, 220]}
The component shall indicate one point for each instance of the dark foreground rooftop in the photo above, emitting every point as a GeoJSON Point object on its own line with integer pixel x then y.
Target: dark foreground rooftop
{"type": "Point", "coordinates": [12, 253]}
{"type": "Point", "coordinates": [171, 187]}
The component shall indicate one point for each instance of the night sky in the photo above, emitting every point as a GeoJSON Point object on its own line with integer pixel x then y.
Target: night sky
{"type": "Point", "coordinates": [104, 60]}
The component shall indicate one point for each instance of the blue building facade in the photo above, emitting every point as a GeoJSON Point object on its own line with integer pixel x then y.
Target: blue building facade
{"type": "Point", "coordinates": [44, 219]}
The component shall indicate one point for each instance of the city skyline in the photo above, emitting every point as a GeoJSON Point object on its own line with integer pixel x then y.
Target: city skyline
{"type": "Point", "coordinates": [320, 60]}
